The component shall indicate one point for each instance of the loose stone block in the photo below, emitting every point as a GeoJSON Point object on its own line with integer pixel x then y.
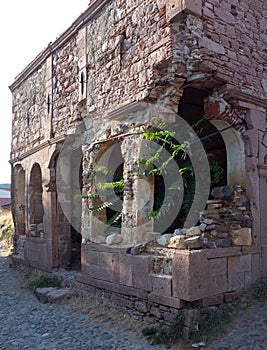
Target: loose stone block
{"type": "Point", "coordinates": [223, 192]}
{"type": "Point", "coordinates": [242, 236]}
{"type": "Point", "coordinates": [164, 239]}
{"type": "Point", "coordinates": [193, 231]}
{"type": "Point", "coordinates": [177, 242]}
{"type": "Point", "coordinates": [41, 293]}
{"type": "Point", "coordinates": [114, 238]}
{"type": "Point", "coordinates": [58, 295]}
{"type": "Point", "coordinates": [194, 242]}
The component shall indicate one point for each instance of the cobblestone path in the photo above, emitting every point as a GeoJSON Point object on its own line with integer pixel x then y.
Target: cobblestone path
{"type": "Point", "coordinates": [26, 323]}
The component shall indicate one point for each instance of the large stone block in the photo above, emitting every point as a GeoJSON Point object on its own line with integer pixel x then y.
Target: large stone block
{"type": "Point", "coordinates": [239, 263]}
{"type": "Point", "coordinates": [196, 275]}
{"type": "Point", "coordinates": [242, 236]}
{"type": "Point", "coordinates": [141, 263]}
{"type": "Point", "coordinates": [125, 269]}
{"type": "Point", "coordinates": [175, 303]}
{"type": "Point", "coordinates": [236, 281]}
{"type": "Point", "coordinates": [190, 276]}
{"type": "Point", "coordinates": [212, 300]}
{"type": "Point", "coordinates": [142, 281]}
{"type": "Point", "coordinates": [256, 268]}
{"type": "Point", "coordinates": [217, 266]}
{"type": "Point", "coordinates": [175, 7]}
{"type": "Point", "coordinates": [162, 285]}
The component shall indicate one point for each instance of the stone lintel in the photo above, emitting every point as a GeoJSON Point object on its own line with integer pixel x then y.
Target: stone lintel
{"type": "Point", "coordinates": [244, 99]}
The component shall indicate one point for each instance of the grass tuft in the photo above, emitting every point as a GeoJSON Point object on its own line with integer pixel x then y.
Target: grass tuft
{"type": "Point", "coordinates": [44, 282]}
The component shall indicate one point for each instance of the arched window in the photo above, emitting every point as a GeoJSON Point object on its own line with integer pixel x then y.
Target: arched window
{"type": "Point", "coordinates": [35, 195]}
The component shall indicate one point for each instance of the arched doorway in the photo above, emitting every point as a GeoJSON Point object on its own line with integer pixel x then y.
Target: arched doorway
{"type": "Point", "coordinates": [66, 215]}
{"type": "Point", "coordinates": [106, 201]}
{"type": "Point", "coordinates": [191, 109]}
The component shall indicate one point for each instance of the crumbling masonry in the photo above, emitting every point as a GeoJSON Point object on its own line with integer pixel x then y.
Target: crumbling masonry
{"type": "Point", "coordinates": [83, 101]}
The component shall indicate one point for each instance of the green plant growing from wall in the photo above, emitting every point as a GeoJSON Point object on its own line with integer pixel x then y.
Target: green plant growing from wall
{"type": "Point", "coordinates": [110, 186]}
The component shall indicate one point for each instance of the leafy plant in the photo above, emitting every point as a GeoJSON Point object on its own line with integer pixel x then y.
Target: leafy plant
{"type": "Point", "coordinates": [7, 233]}
{"type": "Point", "coordinates": [213, 322]}
{"type": "Point", "coordinates": [44, 282]}
{"type": "Point", "coordinates": [109, 186]}
{"type": "Point", "coordinates": [259, 290]}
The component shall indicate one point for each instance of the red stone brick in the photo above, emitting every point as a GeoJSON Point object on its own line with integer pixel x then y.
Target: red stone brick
{"type": "Point", "coordinates": [256, 268]}
{"type": "Point", "coordinates": [141, 264]}
{"type": "Point", "coordinates": [217, 266]}
{"type": "Point", "coordinates": [92, 257]}
{"type": "Point", "coordinates": [239, 263]}
{"type": "Point", "coordinates": [218, 284]}
{"type": "Point", "coordinates": [175, 303]}
{"type": "Point", "coordinates": [190, 276]}
{"type": "Point", "coordinates": [194, 7]}
{"type": "Point", "coordinates": [236, 281]}
{"type": "Point", "coordinates": [142, 281]}
{"type": "Point", "coordinates": [221, 252]}
{"type": "Point", "coordinates": [106, 259]}
{"type": "Point", "coordinates": [133, 291]}
{"type": "Point", "coordinates": [162, 285]}
{"type": "Point", "coordinates": [210, 301]}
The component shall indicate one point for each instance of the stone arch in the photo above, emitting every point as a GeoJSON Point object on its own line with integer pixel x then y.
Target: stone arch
{"type": "Point", "coordinates": [19, 203]}
{"type": "Point", "coordinates": [235, 150]}
{"type": "Point", "coordinates": [36, 209]}
{"type": "Point", "coordinates": [107, 163]}
{"type": "Point", "coordinates": [66, 214]}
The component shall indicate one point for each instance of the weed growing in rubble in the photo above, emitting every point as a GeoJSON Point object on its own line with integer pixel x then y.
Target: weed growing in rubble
{"type": "Point", "coordinates": [259, 291]}
{"type": "Point", "coordinates": [166, 335]}
{"type": "Point", "coordinates": [211, 322]}
{"type": "Point", "coordinates": [44, 282]}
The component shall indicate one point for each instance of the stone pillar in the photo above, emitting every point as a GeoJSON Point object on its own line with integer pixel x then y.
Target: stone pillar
{"type": "Point", "coordinates": [92, 223]}
{"type": "Point", "coordinates": [138, 194]}
{"type": "Point", "coordinates": [257, 180]}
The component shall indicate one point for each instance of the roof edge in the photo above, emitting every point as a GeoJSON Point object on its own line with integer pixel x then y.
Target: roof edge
{"type": "Point", "coordinates": [89, 13]}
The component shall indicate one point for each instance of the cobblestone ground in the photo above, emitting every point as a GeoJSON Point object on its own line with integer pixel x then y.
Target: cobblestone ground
{"type": "Point", "coordinates": [248, 333]}
{"type": "Point", "coordinates": [26, 323]}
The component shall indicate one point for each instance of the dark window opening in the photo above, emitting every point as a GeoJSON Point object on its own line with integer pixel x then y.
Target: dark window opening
{"type": "Point", "coordinates": [82, 82]}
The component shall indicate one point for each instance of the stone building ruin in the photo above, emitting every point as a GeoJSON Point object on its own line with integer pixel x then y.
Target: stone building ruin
{"type": "Point", "coordinates": [83, 102]}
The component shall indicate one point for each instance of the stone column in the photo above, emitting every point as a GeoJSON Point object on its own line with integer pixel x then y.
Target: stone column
{"type": "Point", "coordinates": [92, 223]}
{"type": "Point", "coordinates": [138, 194]}
{"type": "Point", "coordinates": [256, 176]}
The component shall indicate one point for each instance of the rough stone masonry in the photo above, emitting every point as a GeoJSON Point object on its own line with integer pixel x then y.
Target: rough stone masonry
{"type": "Point", "coordinates": [87, 98]}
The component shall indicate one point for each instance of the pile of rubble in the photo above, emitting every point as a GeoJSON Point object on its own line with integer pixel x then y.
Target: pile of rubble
{"type": "Point", "coordinates": [226, 222]}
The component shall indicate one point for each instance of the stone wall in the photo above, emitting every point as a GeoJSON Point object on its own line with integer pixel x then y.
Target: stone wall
{"type": "Point", "coordinates": [131, 51]}
{"type": "Point", "coordinates": [65, 85]}
{"type": "Point", "coordinates": [29, 110]}
{"type": "Point", "coordinates": [234, 44]}
{"type": "Point", "coordinates": [100, 83]}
